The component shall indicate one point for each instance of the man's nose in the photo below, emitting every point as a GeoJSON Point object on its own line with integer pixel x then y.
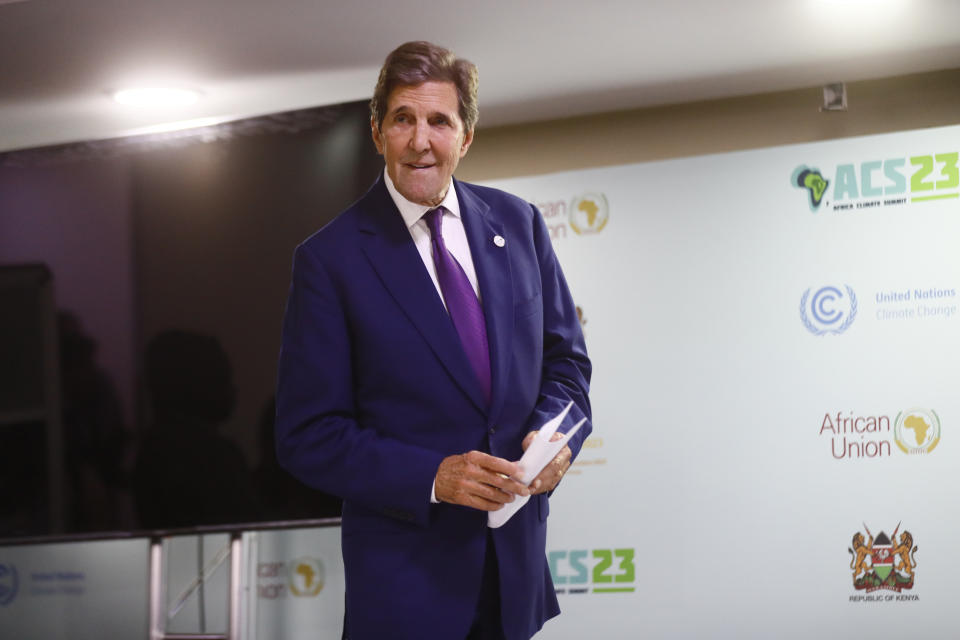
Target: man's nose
{"type": "Point", "coordinates": [420, 138]}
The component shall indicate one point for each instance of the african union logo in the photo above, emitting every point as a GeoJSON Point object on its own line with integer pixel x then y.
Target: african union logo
{"type": "Point", "coordinates": [813, 182]}
{"type": "Point", "coordinates": [883, 563]}
{"type": "Point", "coordinates": [589, 213]}
{"type": "Point", "coordinates": [581, 317]}
{"type": "Point", "coordinates": [8, 584]}
{"type": "Point", "coordinates": [828, 310]}
{"type": "Point", "coordinates": [306, 577]}
{"type": "Point", "coordinates": [917, 430]}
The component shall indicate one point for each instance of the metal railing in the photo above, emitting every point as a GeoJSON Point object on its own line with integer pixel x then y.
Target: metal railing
{"type": "Point", "coordinates": [158, 605]}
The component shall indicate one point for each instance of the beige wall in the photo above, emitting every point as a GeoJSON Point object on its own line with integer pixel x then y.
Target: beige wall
{"type": "Point", "coordinates": [623, 137]}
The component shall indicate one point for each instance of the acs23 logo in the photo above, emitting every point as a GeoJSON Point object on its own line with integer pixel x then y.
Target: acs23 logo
{"type": "Point", "coordinates": [613, 570]}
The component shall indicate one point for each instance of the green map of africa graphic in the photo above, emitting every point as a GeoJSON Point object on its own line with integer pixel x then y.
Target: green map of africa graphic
{"type": "Point", "coordinates": [816, 184]}
{"type": "Point", "coordinates": [919, 426]}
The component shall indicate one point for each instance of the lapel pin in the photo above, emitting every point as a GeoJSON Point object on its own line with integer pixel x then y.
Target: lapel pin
{"type": "Point", "coordinates": [499, 241]}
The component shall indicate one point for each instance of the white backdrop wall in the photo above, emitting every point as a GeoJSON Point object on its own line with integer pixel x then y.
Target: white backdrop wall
{"type": "Point", "coordinates": [741, 438]}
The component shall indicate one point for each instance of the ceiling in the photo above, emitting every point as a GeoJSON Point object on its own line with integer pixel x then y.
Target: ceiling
{"type": "Point", "coordinates": [60, 59]}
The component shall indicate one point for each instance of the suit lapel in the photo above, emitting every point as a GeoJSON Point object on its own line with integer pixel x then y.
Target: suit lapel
{"type": "Point", "coordinates": [492, 265]}
{"type": "Point", "coordinates": [390, 250]}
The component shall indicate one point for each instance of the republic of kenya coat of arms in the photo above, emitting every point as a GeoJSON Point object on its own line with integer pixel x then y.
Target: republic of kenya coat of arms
{"type": "Point", "coordinates": [884, 562]}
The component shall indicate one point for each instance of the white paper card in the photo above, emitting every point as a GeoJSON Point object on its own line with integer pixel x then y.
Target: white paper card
{"type": "Point", "coordinates": [538, 455]}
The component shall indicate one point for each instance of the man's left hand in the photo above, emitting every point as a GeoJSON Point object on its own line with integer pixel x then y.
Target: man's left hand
{"type": "Point", "coordinates": [551, 475]}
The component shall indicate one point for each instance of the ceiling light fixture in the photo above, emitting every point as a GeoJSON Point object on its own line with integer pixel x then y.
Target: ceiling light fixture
{"type": "Point", "coordinates": [180, 125]}
{"type": "Point", "coordinates": [157, 97]}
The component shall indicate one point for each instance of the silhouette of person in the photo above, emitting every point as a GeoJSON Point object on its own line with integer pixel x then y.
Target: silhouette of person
{"type": "Point", "coordinates": [95, 438]}
{"type": "Point", "coordinates": [186, 473]}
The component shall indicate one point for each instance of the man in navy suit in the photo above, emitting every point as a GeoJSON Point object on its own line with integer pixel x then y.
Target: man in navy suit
{"type": "Point", "coordinates": [429, 331]}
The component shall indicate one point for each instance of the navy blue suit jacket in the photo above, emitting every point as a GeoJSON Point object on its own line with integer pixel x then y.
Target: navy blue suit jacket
{"type": "Point", "coordinates": [375, 390]}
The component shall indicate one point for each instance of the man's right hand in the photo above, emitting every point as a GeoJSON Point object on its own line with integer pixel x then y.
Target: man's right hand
{"type": "Point", "coordinates": [478, 480]}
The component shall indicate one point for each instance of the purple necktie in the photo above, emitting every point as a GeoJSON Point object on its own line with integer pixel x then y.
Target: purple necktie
{"type": "Point", "coordinates": [462, 303]}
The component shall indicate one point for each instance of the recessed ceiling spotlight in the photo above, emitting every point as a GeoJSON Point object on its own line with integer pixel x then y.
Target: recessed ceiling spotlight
{"type": "Point", "coordinates": [157, 97]}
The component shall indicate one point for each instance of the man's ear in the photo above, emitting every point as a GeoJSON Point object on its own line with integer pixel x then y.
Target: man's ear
{"type": "Point", "coordinates": [467, 140]}
{"type": "Point", "coordinates": [377, 135]}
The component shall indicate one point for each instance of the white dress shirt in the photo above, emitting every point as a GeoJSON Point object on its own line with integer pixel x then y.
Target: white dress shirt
{"type": "Point", "coordinates": [454, 237]}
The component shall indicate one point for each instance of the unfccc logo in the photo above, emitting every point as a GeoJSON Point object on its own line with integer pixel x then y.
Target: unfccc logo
{"type": "Point", "coordinates": [829, 310]}
{"type": "Point", "coordinates": [8, 584]}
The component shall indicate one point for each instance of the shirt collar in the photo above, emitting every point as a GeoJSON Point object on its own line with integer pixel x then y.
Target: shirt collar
{"type": "Point", "coordinates": [411, 211]}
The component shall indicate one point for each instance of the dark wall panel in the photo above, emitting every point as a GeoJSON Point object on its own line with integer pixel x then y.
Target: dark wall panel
{"type": "Point", "coordinates": [215, 228]}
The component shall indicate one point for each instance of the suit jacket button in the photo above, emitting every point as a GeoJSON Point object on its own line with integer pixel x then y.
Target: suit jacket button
{"type": "Point", "coordinates": [492, 430]}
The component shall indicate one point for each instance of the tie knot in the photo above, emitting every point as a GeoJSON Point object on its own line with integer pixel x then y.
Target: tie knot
{"type": "Point", "coordinates": [434, 218]}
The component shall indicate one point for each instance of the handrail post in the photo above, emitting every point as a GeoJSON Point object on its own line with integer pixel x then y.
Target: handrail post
{"type": "Point", "coordinates": [157, 590]}
{"type": "Point", "coordinates": [158, 627]}
{"type": "Point", "coordinates": [235, 628]}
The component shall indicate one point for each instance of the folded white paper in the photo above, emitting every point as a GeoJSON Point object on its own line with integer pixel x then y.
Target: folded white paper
{"type": "Point", "coordinates": [538, 455]}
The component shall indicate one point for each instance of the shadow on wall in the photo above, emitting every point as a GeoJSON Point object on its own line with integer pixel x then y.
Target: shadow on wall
{"type": "Point", "coordinates": [96, 447]}
{"type": "Point", "coordinates": [186, 473]}
{"type": "Point", "coordinates": [97, 444]}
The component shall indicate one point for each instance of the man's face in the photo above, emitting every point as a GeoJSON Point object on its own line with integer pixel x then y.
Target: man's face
{"type": "Point", "coordinates": [422, 140]}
